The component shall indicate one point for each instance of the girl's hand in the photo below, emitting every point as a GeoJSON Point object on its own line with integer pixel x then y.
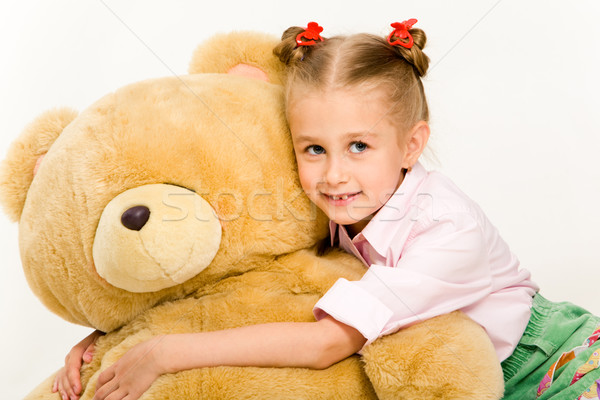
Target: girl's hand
{"type": "Point", "coordinates": [68, 379]}
{"type": "Point", "coordinates": [133, 374]}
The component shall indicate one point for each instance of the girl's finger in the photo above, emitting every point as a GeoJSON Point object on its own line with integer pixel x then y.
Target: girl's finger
{"type": "Point", "coordinates": [69, 390]}
{"type": "Point", "coordinates": [116, 395]}
{"type": "Point", "coordinates": [106, 376]}
{"type": "Point", "coordinates": [73, 377]}
{"type": "Point", "coordinates": [62, 387]}
{"type": "Point", "coordinates": [105, 390]}
{"type": "Point", "coordinates": [88, 355]}
{"type": "Point", "coordinates": [91, 347]}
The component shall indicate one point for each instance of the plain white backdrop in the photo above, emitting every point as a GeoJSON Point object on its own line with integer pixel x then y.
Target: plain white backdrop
{"type": "Point", "coordinates": [513, 90]}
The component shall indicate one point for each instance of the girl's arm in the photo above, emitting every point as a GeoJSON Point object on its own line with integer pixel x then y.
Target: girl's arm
{"type": "Point", "coordinates": [284, 344]}
{"type": "Point", "coordinates": [314, 345]}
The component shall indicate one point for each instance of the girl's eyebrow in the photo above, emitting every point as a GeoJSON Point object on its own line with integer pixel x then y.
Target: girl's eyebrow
{"type": "Point", "coordinates": [361, 135]}
{"type": "Point", "coordinates": [348, 136]}
{"type": "Point", "coordinates": [305, 138]}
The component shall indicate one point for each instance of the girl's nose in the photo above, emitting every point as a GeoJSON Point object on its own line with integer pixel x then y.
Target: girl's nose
{"type": "Point", "coordinates": [336, 171]}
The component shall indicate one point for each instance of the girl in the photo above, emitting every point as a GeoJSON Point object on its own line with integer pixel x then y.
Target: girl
{"type": "Point", "coordinates": [358, 116]}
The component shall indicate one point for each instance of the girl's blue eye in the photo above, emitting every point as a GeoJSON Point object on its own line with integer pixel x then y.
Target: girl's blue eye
{"type": "Point", "coordinates": [315, 149]}
{"type": "Point", "coordinates": [357, 147]}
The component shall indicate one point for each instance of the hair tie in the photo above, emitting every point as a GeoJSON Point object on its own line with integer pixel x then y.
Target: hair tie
{"type": "Point", "coordinates": [401, 32]}
{"type": "Point", "coordinates": [311, 34]}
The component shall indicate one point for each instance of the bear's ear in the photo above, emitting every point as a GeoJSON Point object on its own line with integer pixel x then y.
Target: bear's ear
{"type": "Point", "coordinates": [241, 53]}
{"type": "Point", "coordinates": [24, 157]}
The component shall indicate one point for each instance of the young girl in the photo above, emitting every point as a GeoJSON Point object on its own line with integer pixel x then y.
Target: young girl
{"type": "Point", "coordinates": [358, 116]}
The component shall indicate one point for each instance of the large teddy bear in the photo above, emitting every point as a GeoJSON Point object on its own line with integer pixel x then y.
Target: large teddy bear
{"type": "Point", "coordinates": [172, 205]}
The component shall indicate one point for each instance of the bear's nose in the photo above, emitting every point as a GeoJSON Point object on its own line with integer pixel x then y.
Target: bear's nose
{"type": "Point", "coordinates": [135, 218]}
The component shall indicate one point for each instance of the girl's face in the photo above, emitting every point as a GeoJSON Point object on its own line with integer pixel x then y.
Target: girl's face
{"type": "Point", "coordinates": [350, 155]}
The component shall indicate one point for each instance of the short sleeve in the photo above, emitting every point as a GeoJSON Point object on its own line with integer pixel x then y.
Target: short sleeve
{"type": "Point", "coordinates": [443, 267]}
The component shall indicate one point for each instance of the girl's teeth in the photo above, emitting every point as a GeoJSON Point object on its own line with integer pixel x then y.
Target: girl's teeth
{"type": "Point", "coordinates": [344, 197]}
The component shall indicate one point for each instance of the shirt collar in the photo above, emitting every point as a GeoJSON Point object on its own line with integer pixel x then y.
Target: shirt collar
{"type": "Point", "coordinates": [332, 230]}
{"type": "Point", "coordinates": [379, 232]}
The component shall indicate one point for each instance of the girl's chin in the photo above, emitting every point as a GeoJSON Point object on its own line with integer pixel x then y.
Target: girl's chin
{"type": "Point", "coordinates": [350, 221]}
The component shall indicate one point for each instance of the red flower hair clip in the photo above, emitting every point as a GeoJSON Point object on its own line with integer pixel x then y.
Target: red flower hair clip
{"type": "Point", "coordinates": [401, 32]}
{"type": "Point", "coordinates": [311, 34]}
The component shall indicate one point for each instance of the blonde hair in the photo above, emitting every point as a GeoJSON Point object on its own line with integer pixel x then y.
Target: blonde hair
{"type": "Point", "coordinates": [361, 60]}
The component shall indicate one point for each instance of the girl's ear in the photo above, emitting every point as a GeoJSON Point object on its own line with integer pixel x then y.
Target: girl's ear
{"type": "Point", "coordinates": [415, 144]}
{"type": "Point", "coordinates": [241, 53]}
{"type": "Point", "coordinates": [25, 156]}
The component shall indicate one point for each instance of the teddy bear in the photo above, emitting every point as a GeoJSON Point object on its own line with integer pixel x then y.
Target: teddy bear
{"type": "Point", "coordinates": [173, 205]}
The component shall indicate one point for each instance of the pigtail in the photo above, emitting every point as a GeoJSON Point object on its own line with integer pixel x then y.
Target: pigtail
{"type": "Point", "coordinates": [409, 43]}
{"type": "Point", "coordinates": [415, 55]}
{"type": "Point", "coordinates": [289, 51]}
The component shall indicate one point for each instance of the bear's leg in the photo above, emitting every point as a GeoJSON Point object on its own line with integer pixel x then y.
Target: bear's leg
{"type": "Point", "coordinates": [446, 357]}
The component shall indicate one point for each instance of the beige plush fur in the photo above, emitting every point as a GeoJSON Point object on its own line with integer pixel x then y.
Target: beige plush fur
{"type": "Point", "coordinates": [222, 138]}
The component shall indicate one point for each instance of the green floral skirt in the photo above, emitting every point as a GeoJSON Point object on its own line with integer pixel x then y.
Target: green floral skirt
{"type": "Point", "coordinates": [557, 356]}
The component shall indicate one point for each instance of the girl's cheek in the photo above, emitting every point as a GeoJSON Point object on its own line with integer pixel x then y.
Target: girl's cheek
{"type": "Point", "coordinates": [304, 173]}
{"type": "Point", "coordinates": [309, 188]}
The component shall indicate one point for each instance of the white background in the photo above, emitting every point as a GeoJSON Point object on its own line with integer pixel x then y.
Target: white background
{"type": "Point", "coordinates": [513, 90]}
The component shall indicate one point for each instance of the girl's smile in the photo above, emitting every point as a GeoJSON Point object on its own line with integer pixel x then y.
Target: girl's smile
{"type": "Point", "coordinates": [342, 199]}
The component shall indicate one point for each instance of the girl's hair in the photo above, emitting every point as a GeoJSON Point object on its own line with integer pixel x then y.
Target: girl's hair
{"type": "Point", "coordinates": [365, 61]}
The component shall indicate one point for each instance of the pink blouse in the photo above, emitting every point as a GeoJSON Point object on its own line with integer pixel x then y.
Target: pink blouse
{"type": "Point", "coordinates": [431, 250]}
